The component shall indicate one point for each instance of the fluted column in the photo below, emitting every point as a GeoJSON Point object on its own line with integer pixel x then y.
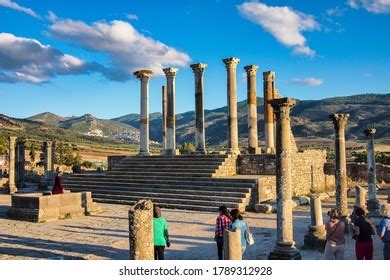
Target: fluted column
{"type": "Point", "coordinates": [164, 117]}
{"type": "Point", "coordinates": [144, 76]}
{"type": "Point", "coordinates": [231, 66]}
{"type": "Point", "coordinates": [372, 204]}
{"type": "Point", "coordinates": [11, 162]}
{"type": "Point", "coordinates": [269, 122]}
{"type": "Point", "coordinates": [200, 138]}
{"type": "Point", "coordinates": [170, 73]}
{"type": "Point", "coordinates": [285, 245]}
{"type": "Point", "coordinates": [339, 122]}
{"type": "Point", "coordinates": [253, 142]}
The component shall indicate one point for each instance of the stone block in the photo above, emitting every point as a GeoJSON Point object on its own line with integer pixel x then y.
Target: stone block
{"type": "Point", "coordinates": [263, 208]}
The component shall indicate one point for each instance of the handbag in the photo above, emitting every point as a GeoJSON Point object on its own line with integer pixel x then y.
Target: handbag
{"type": "Point", "coordinates": [249, 237]}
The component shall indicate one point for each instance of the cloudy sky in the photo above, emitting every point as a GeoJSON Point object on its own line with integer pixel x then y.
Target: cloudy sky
{"type": "Point", "coordinates": [75, 57]}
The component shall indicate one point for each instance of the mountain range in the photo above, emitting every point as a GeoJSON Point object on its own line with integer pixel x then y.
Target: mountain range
{"type": "Point", "coordinates": [310, 119]}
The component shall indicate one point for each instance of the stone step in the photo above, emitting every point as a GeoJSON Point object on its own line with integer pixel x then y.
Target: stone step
{"type": "Point", "coordinates": [168, 174]}
{"type": "Point", "coordinates": [171, 163]}
{"type": "Point", "coordinates": [170, 181]}
{"type": "Point", "coordinates": [228, 191]}
{"type": "Point", "coordinates": [163, 205]}
{"type": "Point", "coordinates": [167, 167]}
{"type": "Point", "coordinates": [160, 195]}
{"type": "Point", "coordinates": [168, 200]}
{"type": "Point", "coordinates": [191, 157]}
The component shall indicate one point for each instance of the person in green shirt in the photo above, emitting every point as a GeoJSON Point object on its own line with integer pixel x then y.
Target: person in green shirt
{"type": "Point", "coordinates": [160, 234]}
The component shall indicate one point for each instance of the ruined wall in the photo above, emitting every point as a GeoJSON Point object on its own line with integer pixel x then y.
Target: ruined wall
{"type": "Point", "coordinates": [114, 160]}
{"type": "Point", "coordinates": [307, 173]}
{"type": "Point", "coordinates": [357, 172]}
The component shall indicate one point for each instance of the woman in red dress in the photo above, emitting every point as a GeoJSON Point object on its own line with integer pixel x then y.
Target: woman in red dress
{"type": "Point", "coordinates": [58, 188]}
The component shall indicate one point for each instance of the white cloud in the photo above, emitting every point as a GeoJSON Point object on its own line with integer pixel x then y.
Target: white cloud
{"type": "Point", "coordinates": [27, 60]}
{"type": "Point", "coordinates": [373, 6]}
{"type": "Point", "coordinates": [12, 5]}
{"type": "Point", "coordinates": [284, 23]}
{"type": "Point", "coordinates": [128, 49]}
{"type": "Point", "coordinates": [336, 11]}
{"type": "Point", "coordinates": [132, 17]}
{"type": "Point", "coordinates": [312, 82]}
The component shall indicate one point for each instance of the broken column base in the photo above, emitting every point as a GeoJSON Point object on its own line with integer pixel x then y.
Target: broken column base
{"type": "Point", "coordinates": [144, 154]}
{"type": "Point", "coordinates": [285, 251]}
{"type": "Point", "coordinates": [253, 151]}
{"type": "Point", "coordinates": [270, 150]}
{"type": "Point", "coordinates": [170, 152]}
{"type": "Point", "coordinates": [315, 238]}
{"type": "Point", "coordinates": [374, 208]}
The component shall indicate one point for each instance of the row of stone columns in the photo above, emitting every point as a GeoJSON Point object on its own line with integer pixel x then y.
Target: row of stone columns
{"type": "Point", "coordinates": [168, 109]}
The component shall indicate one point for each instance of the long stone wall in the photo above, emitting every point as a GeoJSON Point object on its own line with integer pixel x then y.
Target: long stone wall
{"type": "Point", "coordinates": [307, 173]}
{"type": "Point", "coordinates": [357, 172]}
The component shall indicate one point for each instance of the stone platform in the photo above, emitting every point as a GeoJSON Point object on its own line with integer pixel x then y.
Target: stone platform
{"type": "Point", "coordinates": [36, 207]}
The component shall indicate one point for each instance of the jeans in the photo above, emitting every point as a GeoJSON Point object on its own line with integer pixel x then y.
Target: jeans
{"type": "Point", "coordinates": [333, 251]}
{"type": "Point", "coordinates": [386, 251]}
{"type": "Point", "coordinates": [159, 252]}
{"type": "Point", "coordinates": [219, 241]}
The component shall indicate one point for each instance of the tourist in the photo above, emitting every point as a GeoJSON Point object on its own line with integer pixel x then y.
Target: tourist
{"type": "Point", "coordinates": [58, 187]}
{"type": "Point", "coordinates": [239, 223]}
{"type": "Point", "coordinates": [384, 231]}
{"type": "Point", "coordinates": [223, 222]}
{"type": "Point", "coordinates": [160, 234]}
{"type": "Point", "coordinates": [335, 242]}
{"type": "Point", "coordinates": [363, 229]}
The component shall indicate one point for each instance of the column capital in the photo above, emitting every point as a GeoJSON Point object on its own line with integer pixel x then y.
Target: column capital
{"type": "Point", "coordinates": [339, 120]}
{"type": "Point", "coordinates": [268, 76]}
{"type": "Point", "coordinates": [370, 132]}
{"type": "Point", "coordinates": [170, 71]}
{"type": "Point", "coordinates": [198, 68]}
{"type": "Point", "coordinates": [282, 102]}
{"type": "Point", "coordinates": [12, 139]}
{"type": "Point", "coordinates": [141, 74]}
{"type": "Point", "coordinates": [251, 69]}
{"type": "Point", "coordinates": [231, 62]}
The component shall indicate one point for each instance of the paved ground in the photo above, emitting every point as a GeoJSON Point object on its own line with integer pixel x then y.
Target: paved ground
{"type": "Point", "coordinates": [105, 236]}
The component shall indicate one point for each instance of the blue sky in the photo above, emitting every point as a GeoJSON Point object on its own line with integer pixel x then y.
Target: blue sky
{"type": "Point", "coordinates": [75, 57]}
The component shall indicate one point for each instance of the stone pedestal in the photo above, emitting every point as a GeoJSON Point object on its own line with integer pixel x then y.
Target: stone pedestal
{"type": "Point", "coordinates": [231, 66]}
{"type": "Point", "coordinates": [253, 142]}
{"type": "Point", "coordinates": [232, 245]}
{"type": "Point", "coordinates": [269, 121]}
{"type": "Point", "coordinates": [11, 171]}
{"type": "Point", "coordinates": [285, 245]}
{"type": "Point", "coordinates": [316, 236]}
{"type": "Point", "coordinates": [372, 203]}
{"type": "Point", "coordinates": [164, 118]}
{"type": "Point", "coordinates": [141, 231]}
{"type": "Point", "coordinates": [144, 76]}
{"type": "Point", "coordinates": [170, 73]}
{"type": "Point", "coordinates": [200, 138]}
{"type": "Point", "coordinates": [339, 122]}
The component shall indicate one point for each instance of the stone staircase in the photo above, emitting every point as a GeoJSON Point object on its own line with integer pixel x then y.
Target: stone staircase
{"type": "Point", "coordinates": [189, 182]}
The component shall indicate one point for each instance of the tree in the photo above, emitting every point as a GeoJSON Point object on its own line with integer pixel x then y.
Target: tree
{"type": "Point", "coordinates": [3, 147]}
{"type": "Point", "coordinates": [77, 159]}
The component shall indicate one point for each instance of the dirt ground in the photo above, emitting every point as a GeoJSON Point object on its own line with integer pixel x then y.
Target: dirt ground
{"type": "Point", "coordinates": [105, 236]}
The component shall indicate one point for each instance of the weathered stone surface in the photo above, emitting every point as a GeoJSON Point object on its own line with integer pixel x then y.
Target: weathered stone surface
{"type": "Point", "coordinates": [164, 116]}
{"type": "Point", "coordinates": [41, 208]}
{"type": "Point", "coordinates": [269, 120]}
{"type": "Point", "coordinates": [263, 208]}
{"type": "Point", "coordinates": [360, 197]}
{"type": "Point", "coordinates": [20, 161]}
{"type": "Point", "coordinates": [232, 245]}
{"type": "Point", "coordinates": [253, 145]}
{"type": "Point", "coordinates": [114, 160]}
{"type": "Point", "coordinates": [11, 169]}
{"type": "Point", "coordinates": [316, 236]}
{"type": "Point", "coordinates": [141, 231]}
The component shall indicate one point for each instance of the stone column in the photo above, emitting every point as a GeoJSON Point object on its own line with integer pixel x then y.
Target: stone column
{"type": "Point", "coordinates": [372, 203]}
{"type": "Point", "coordinates": [316, 236]}
{"type": "Point", "coordinates": [164, 117]}
{"type": "Point", "coordinates": [11, 172]}
{"type": "Point", "coordinates": [48, 160]}
{"type": "Point", "coordinates": [285, 246]}
{"type": "Point", "coordinates": [200, 138]}
{"type": "Point", "coordinates": [360, 197]}
{"type": "Point", "coordinates": [20, 163]}
{"type": "Point", "coordinates": [144, 76]}
{"type": "Point", "coordinates": [141, 231]}
{"type": "Point", "coordinates": [232, 245]}
{"type": "Point", "coordinates": [53, 156]}
{"type": "Point", "coordinates": [231, 66]}
{"type": "Point", "coordinates": [339, 122]}
{"type": "Point", "coordinates": [253, 142]}
{"type": "Point", "coordinates": [269, 121]}
{"type": "Point", "coordinates": [170, 73]}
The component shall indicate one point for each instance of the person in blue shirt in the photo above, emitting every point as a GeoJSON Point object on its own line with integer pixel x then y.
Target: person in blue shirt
{"type": "Point", "coordinates": [239, 223]}
{"type": "Point", "coordinates": [384, 231]}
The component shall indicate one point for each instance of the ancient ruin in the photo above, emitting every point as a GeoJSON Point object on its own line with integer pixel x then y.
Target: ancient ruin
{"type": "Point", "coordinates": [316, 236]}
